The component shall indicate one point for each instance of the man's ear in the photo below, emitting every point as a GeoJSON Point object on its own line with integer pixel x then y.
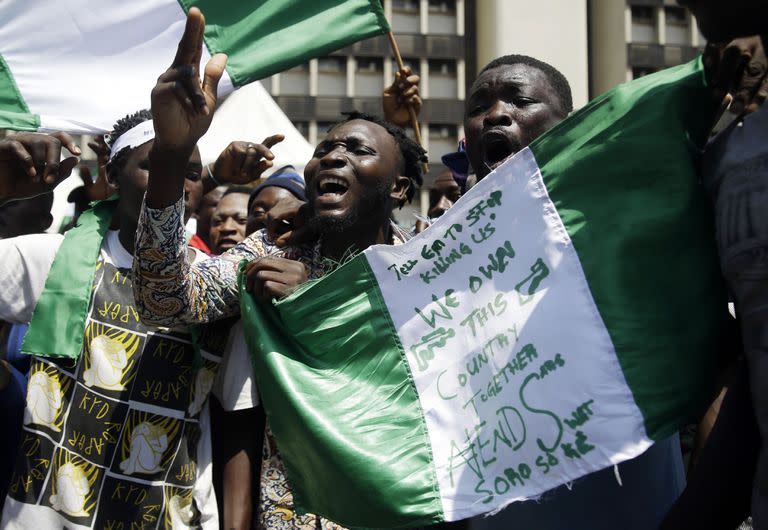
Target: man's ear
{"type": "Point", "coordinates": [400, 187]}
{"type": "Point", "coordinates": [110, 174]}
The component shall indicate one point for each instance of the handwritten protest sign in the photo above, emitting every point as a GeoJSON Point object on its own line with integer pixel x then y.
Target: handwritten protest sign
{"type": "Point", "coordinates": [515, 403]}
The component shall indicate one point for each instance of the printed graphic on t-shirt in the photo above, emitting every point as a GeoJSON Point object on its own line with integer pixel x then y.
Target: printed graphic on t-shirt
{"type": "Point", "coordinates": [179, 509]}
{"type": "Point", "coordinates": [94, 429]}
{"type": "Point", "coordinates": [111, 442]}
{"type": "Point", "coordinates": [73, 487]}
{"type": "Point", "coordinates": [48, 394]}
{"type": "Point", "coordinates": [183, 470]}
{"type": "Point", "coordinates": [148, 445]}
{"type": "Point", "coordinates": [32, 467]}
{"type": "Point", "coordinates": [166, 372]}
{"type": "Point", "coordinates": [125, 504]}
{"type": "Point", "coordinates": [110, 304]}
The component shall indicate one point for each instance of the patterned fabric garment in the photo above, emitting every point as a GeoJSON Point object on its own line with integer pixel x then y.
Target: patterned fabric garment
{"type": "Point", "coordinates": [171, 291]}
{"type": "Point", "coordinates": [276, 510]}
{"type": "Point", "coordinates": [175, 292]}
{"type": "Point", "coordinates": [113, 441]}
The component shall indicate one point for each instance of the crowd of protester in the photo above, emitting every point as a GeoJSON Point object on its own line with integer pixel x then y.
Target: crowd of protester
{"type": "Point", "coordinates": [160, 288]}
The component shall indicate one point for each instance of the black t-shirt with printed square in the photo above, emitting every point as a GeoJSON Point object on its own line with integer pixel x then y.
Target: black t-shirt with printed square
{"type": "Point", "coordinates": [112, 441]}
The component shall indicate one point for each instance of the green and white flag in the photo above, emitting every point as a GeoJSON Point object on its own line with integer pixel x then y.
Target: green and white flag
{"type": "Point", "coordinates": [562, 316]}
{"type": "Point", "coordinates": [80, 65]}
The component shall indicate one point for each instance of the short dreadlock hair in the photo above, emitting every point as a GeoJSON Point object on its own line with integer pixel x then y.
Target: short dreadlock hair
{"type": "Point", "coordinates": [413, 154]}
{"type": "Point", "coordinates": [557, 80]}
{"type": "Point", "coordinates": [122, 126]}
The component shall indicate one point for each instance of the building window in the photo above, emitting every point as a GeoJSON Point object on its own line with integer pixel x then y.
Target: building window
{"type": "Point", "coordinates": [370, 65]}
{"type": "Point", "coordinates": [405, 16]}
{"type": "Point", "coordinates": [445, 7]}
{"type": "Point", "coordinates": [295, 81]}
{"type": "Point", "coordinates": [640, 71]}
{"type": "Point", "coordinates": [442, 79]}
{"type": "Point", "coordinates": [644, 14]}
{"type": "Point", "coordinates": [332, 64]}
{"type": "Point", "coordinates": [407, 61]}
{"type": "Point", "coordinates": [677, 28]}
{"type": "Point", "coordinates": [442, 67]}
{"type": "Point", "coordinates": [332, 76]}
{"type": "Point", "coordinates": [406, 6]}
{"type": "Point", "coordinates": [644, 24]}
{"type": "Point", "coordinates": [443, 139]}
{"type": "Point", "coordinates": [676, 15]}
{"type": "Point", "coordinates": [441, 17]}
{"type": "Point", "coordinates": [369, 78]}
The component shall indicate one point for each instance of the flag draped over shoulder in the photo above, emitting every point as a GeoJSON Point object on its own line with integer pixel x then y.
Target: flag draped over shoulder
{"type": "Point", "coordinates": [79, 66]}
{"type": "Point", "coordinates": [562, 316]}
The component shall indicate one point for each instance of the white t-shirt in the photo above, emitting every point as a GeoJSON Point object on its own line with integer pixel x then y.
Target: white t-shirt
{"type": "Point", "coordinates": [235, 386]}
{"type": "Point", "coordinates": [150, 423]}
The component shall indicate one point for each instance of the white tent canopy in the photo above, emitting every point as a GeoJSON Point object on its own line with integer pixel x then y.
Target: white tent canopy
{"type": "Point", "coordinates": [250, 114]}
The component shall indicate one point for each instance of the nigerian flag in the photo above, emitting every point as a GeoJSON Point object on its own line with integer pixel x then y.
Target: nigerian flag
{"type": "Point", "coordinates": [80, 65]}
{"type": "Point", "coordinates": [562, 316]}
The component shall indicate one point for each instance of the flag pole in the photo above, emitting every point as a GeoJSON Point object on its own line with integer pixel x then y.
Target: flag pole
{"type": "Point", "coordinates": [414, 119]}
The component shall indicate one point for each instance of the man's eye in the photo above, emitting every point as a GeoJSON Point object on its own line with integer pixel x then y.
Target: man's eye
{"type": "Point", "coordinates": [476, 109]}
{"type": "Point", "coordinates": [193, 176]}
{"type": "Point", "coordinates": [523, 102]}
{"type": "Point", "coordinates": [258, 213]}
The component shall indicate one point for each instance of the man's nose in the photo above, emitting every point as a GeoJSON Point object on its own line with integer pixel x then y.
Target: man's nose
{"type": "Point", "coordinates": [441, 207]}
{"type": "Point", "coordinates": [333, 158]}
{"type": "Point", "coordinates": [499, 114]}
{"type": "Point", "coordinates": [229, 225]}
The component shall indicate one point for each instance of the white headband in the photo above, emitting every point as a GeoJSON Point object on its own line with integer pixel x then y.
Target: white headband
{"type": "Point", "coordinates": [139, 135]}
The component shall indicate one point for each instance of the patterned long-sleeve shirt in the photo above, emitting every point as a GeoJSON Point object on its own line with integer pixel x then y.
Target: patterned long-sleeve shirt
{"type": "Point", "coordinates": [170, 290]}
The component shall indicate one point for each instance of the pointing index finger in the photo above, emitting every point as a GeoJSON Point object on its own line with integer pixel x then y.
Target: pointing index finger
{"type": "Point", "coordinates": [191, 42]}
{"type": "Point", "coordinates": [272, 140]}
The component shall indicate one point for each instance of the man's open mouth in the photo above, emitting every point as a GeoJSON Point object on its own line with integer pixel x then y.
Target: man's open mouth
{"type": "Point", "coordinates": [497, 147]}
{"type": "Point", "coordinates": [331, 188]}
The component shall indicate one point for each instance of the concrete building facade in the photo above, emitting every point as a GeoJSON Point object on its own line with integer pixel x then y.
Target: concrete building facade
{"type": "Point", "coordinates": [432, 37]}
{"type": "Point", "coordinates": [632, 38]}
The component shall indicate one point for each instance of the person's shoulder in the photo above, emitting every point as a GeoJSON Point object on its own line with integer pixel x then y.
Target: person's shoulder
{"type": "Point", "coordinates": [32, 244]}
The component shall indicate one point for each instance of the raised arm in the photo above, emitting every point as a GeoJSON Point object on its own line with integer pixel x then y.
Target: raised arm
{"type": "Point", "coordinates": [169, 289]}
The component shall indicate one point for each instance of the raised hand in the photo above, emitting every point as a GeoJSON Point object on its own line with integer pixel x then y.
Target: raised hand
{"type": "Point", "coordinates": [402, 97]}
{"type": "Point", "coordinates": [182, 105]}
{"type": "Point", "coordinates": [97, 188]}
{"type": "Point", "coordinates": [738, 68]}
{"type": "Point", "coordinates": [30, 163]}
{"type": "Point", "coordinates": [244, 162]}
{"type": "Point", "coordinates": [287, 223]}
{"type": "Point", "coordinates": [273, 277]}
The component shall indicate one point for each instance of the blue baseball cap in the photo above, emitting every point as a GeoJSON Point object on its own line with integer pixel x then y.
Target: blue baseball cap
{"type": "Point", "coordinates": [458, 163]}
